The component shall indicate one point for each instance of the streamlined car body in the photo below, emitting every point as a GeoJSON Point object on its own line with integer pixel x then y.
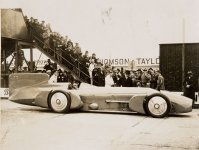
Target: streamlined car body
{"type": "Point", "coordinates": [34, 89]}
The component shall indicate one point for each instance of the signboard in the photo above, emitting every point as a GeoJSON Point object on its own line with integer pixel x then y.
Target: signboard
{"type": "Point", "coordinates": [137, 63]}
{"type": "Point", "coordinates": [4, 92]}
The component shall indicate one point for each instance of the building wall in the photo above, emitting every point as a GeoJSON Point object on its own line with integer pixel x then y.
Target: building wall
{"type": "Point", "coordinates": [171, 63]}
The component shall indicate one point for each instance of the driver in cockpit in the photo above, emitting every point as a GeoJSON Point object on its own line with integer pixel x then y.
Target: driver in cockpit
{"type": "Point", "coordinates": [74, 86]}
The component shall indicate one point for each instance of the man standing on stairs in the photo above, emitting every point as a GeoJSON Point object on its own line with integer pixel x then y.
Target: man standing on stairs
{"type": "Point", "coordinates": [77, 55]}
{"type": "Point", "coordinates": [77, 50]}
{"type": "Point", "coordinates": [20, 58]}
{"type": "Point", "coordinates": [49, 66]}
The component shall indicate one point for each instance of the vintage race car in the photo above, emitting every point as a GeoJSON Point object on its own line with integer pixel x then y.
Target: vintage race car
{"type": "Point", "coordinates": [34, 89]}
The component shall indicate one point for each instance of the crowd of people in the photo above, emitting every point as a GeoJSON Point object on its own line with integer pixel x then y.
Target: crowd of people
{"type": "Point", "coordinates": [109, 76]}
{"type": "Point", "coordinates": [135, 78]}
{"type": "Point", "coordinates": [62, 48]}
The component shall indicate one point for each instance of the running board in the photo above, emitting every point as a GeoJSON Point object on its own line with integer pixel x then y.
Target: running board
{"type": "Point", "coordinates": [116, 101]}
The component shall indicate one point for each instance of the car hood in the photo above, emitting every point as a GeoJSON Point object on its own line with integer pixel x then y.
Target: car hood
{"type": "Point", "coordinates": [181, 103]}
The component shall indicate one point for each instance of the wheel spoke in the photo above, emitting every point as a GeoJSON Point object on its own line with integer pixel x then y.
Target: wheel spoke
{"type": "Point", "coordinates": [151, 104]}
{"type": "Point", "coordinates": [159, 111]}
{"type": "Point", "coordinates": [152, 101]}
{"type": "Point", "coordinates": [163, 109]}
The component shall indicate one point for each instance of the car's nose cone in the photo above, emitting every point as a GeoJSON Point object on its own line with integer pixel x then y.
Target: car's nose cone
{"type": "Point", "coordinates": [181, 103]}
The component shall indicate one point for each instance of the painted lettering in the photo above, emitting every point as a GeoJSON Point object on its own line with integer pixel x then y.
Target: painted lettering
{"type": "Point", "coordinates": [105, 61]}
{"type": "Point", "coordinates": [126, 61]}
{"type": "Point", "coordinates": [121, 61]}
{"type": "Point", "coordinates": [143, 61]}
{"type": "Point", "coordinates": [116, 62]}
{"type": "Point", "coordinates": [138, 60]}
{"type": "Point", "coordinates": [111, 62]}
{"type": "Point", "coordinates": [152, 61]}
{"type": "Point", "coordinates": [147, 60]}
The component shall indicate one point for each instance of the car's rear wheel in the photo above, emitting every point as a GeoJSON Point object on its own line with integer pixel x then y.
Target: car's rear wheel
{"type": "Point", "coordinates": [59, 101]}
{"type": "Point", "coordinates": [157, 105]}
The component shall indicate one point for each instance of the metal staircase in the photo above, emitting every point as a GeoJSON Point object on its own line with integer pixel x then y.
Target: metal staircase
{"type": "Point", "coordinates": [59, 58]}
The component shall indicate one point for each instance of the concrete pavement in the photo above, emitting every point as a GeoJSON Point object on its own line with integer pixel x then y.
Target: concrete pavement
{"type": "Point", "coordinates": [33, 128]}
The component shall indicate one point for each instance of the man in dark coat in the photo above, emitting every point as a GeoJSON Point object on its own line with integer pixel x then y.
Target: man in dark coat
{"type": "Point", "coordinates": [189, 86]}
{"type": "Point", "coordinates": [49, 66]}
{"type": "Point", "coordinates": [61, 77]}
{"type": "Point", "coordinates": [70, 77]}
{"type": "Point", "coordinates": [126, 80]}
{"type": "Point", "coordinates": [95, 77]}
{"type": "Point", "coordinates": [101, 77]}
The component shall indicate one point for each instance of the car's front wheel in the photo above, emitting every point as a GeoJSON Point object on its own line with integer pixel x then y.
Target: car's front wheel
{"type": "Point", "coordinates": [59, 101]}
{"type": "Point", "coordinates": [157, 105]}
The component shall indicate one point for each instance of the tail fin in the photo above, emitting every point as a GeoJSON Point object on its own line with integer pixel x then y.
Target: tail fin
{"type": "Point", "coordinates": [18, 80]}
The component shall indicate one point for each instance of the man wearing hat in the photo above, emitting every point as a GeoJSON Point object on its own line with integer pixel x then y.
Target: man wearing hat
{"type": "Point", "coordinates": [160, 81]}
{"type": "Point", "coordinates": [127, 80]}
{"type": "Point", "coordinates": [49, 66]}
{"type": "Point", "coordinates": [145, 78]}
{"type": "Point", "coordinates": [189, 86]}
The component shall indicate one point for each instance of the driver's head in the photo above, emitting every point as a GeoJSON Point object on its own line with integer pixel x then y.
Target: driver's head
{"type": "Point", "coordinates": [76, 84]}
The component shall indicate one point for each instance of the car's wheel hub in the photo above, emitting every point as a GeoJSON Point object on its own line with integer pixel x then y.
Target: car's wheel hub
{"type": "Point", "coordinates": [157, 105]}
{"type": "Point", "coordinates": [58, 101]}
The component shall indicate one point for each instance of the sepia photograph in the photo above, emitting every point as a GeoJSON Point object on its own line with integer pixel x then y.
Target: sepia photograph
{"type": "Point", "coordinates": [99, 75]}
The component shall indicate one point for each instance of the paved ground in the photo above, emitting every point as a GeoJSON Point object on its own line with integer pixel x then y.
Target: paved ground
{"type": "Point", "coordinates": [33, 128]}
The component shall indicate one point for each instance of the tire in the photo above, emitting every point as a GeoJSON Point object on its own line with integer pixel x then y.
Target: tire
{"type": "Point", "coordinates": [157, 105]}
{"type": "Point", "coordinates": [59, 101]}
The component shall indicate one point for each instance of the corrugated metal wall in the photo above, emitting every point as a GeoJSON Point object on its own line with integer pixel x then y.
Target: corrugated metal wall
{"type": "Point", "coordinates": [171, 63]}
{"type": "Point", "coordinates": [192, 58]}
